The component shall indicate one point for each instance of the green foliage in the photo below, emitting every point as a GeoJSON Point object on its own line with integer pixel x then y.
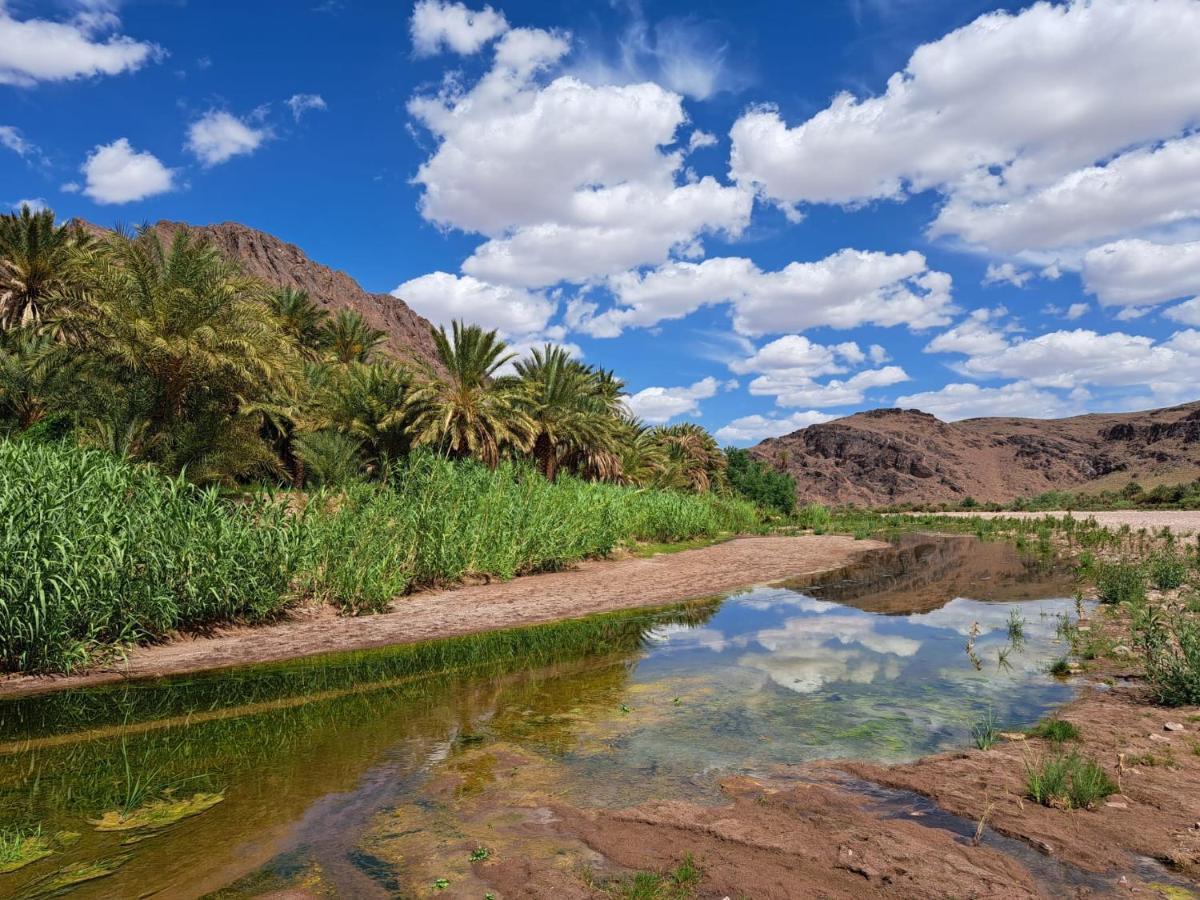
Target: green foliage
{"type": "Point", "coordinates": [1171, 655]}
{"type": "Point", "coordinates": [95, 552]}
{"type": "Point", "coordinates": [681, 883]}
{"type": "Point", "coordinates": [755, 481]}
{"type": "Point", "coordinates": [1120, 582]}
{"type": "Point", "coordinates": [816, 517]}
{"type": "Point", "coordinates": [1056, 730]}
{"type": "Point", "coordinates": [1067, 781]}
{"type": "Point", "coordinates": [436, 521]}
{"type": "Point", "coordinates": [1168, 569]}
{"type": "Point", "coordinates": [986, 732]}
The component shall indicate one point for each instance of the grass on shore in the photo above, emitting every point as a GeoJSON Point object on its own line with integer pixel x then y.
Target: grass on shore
{"type": "Point", "coordinates": [96, 554]}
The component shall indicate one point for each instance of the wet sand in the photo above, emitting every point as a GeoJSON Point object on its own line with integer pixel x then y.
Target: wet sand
{"type": "Point", "coordinates": [589, 588]}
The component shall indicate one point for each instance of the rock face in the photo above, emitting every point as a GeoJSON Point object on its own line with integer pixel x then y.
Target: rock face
{"type": "Point", "coordinates": [890, 456]}
{"type": "Point", "coordinates": [285, 265]}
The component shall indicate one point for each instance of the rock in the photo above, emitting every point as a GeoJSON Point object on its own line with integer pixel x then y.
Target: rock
{"type": "Point", "coordinates": [1116, 804]}
{"type": "Point", "coordinates": [1173, 726]}
{"type": "Point", "coordinates": [1121, 650]}
{"type": "Point", "coordinates": [1012, 735]}
{"type": "Point", "coordinates": [1160, 739]}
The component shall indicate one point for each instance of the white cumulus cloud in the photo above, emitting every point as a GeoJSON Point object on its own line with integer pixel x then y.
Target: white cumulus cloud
{"type": "Point", "coordinates": [754, 428]}
{"type": "Point", "coordinates": [218, 136]}
{"type": "Point", "coordinates": [661, 404]}
{"type": "Point", "coordinates": [116, 173]}
{"type": "Point", "coordinates": [442, 297]}
{"type": "Point", "coordinates": [1136, 272]}
{"type": "Point", "coordinates": [34, 50]}
{"type": "Point", "coordinates": [452, 26]}
{"type": "Point", "coordinates": [970, 401]}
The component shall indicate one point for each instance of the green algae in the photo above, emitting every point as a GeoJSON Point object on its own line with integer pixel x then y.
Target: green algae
{"type": "Point", "coordinates": [157, 813]}
{"type": "Point", "coordinates": [68, 878]}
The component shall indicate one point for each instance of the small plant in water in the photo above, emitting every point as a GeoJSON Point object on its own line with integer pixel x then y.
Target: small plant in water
{"type": "Point", "coordinates": [21, 846]}
{"type": "Point", "coordinates": [1016, 628]}
{"type": "Point", "coordinates": [1067, 781]}
{"type": "Point", "coordinates": [985, 732]}
{"type": "Point", "coordinates": [1060, 668]}
{"type": "Point", "coordinates": [1056, 730]}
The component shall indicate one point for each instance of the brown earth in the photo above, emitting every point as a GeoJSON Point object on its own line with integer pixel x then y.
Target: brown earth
{"type": "Point", "coordinates": [589, 588]}
{"type": "Point", "coordinates": [281, 264]}
{"type": "Point", "coordinates": [888, 456]}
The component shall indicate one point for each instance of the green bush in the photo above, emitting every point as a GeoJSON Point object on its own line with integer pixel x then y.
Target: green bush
{"type": "Point", "coordinates": [1067, 781]}
{"type": "Point", "coordinates": [95, 552]}
{"type": "Point", "coordinates": [1120, 582]}
{"type": "Point", "coordinates": [1171, 654]}
{"type": "Point", "coordinates": [1056, 730]}
{"type": "Point", "coordinates": [814, 516]}
{"type": "Point", "coordinates": [1168, 569]}
{"type": "Point", "coordinates": [772, 490]}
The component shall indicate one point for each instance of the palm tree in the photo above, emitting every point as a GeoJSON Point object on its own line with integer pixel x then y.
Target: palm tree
{"type": "Point", "coordinates": [348, 338]}
{"type": "Point", "coordinates": [39, 264]}
{"type": "Point", "coordinates": [199, 342]}
{"type": "Point", "coordinates": [575, 410]}
{"type": "Point", "coordinates": [302, 319]}
{"type": "Point", "coordinates": [469, 412]}
{"type": "Point", "coordinates": [643, 457]}
{"type": "Point", "coordinates": [695, 460]}
{"type": "Point", "coordinates": [35, 378]}
{"type": "Point", "coordinates": [370, 403]}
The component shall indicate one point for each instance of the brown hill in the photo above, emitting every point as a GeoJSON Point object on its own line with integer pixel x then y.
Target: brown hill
{"type": "Point", "coordinates": [890, 456]}
{"type": "Point", "coordinates": [285, 265]}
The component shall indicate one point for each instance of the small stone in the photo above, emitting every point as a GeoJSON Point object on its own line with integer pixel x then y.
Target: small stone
{"type": "Point", "coordinates": [1173, 726]}
{"type": "Point", "coordinates": [1116, 804]}
{"type": "Point", "coordinates": [1012, 735]}
{"type": "Point", "coordinates": [1121, 650]}
{"type": "Point", "coordinates": [1083, 627]}
{"type": "Point", "coordinates": [1160, 739]}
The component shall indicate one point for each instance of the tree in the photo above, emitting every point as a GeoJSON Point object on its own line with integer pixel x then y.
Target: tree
{"type": "Point", "coordinates": [302, 320]}
{"type": "Point", "coordinates": [348, 338]}
{"type": "Point", "coordinates": [195, 346]}
{"type": "Point", "coordinates": [469, 412]}
{"type": "Point", "coordinates": [752, 479]}
{"type": "Point", "coordinates": [372, 404]}
{"type": "Point", "coordinates": [694, 461]}
{"type": "Point", "coordinates": [36, 377]}
{"type": "Point", "coordinates": [39, 264]}
{"type": "Point", "coordinates": [575, 411]}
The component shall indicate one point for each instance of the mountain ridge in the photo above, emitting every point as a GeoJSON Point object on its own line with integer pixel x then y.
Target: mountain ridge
{"type": "Point", "coordinates": [896, 456]}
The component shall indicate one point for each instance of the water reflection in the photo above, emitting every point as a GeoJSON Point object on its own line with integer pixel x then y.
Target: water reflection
{"type": "Point", "coordinates": [317, 760]}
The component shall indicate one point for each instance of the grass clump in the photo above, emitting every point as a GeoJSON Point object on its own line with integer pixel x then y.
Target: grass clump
{"type": "Point", "coordinates": [1170, 648]}
{"type": "Point", "coordinates": [681, 883]}
{"type": "Point", "coordinates": [1067, 781]}
{"type": "Point", "coordinates": [21, 846]}
{"type": "Point", "coordinates": [96, 552]}
{"type": "Point", "coordinates": [1120, 582]}
{"type": "Point", "coordinates": [1060, 668]}
{"type": "Point", "coordinates": [986, 732]}
{"type": "Point", "coordinates": [1056, 730]}
{"type": "Point", "coordinates": [815, 517]}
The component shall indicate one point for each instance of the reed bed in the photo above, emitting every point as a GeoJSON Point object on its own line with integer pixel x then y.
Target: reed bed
{"type": "Point", "coordinates": [96, 553]}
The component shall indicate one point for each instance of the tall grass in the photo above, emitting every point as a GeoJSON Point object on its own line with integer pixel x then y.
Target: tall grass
{"type": "Point", "coordinates": [95, 553]}
{"type": "Point", "coordinates": [436, 521]}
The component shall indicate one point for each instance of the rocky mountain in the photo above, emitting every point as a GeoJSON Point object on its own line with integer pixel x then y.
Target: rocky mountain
{"type": "Point", "coordinates": [890, 456]}
{"type": "Point", "coordinates": [279, 263]}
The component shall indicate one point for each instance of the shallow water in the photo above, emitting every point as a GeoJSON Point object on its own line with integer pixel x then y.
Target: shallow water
{"type": "Point", "coordinates": [337, 773]}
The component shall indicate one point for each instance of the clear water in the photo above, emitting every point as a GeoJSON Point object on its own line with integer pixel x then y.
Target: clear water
{"type": "Point", "coordinates": [345, 771]}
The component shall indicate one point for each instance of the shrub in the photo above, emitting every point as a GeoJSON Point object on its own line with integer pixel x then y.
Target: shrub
{"type": "Point", "coordinates": [1171, 655]}
{"type": "Point", "coordinates": [1120, 582]}
{"type": "Point", "coordinates": [95, 552]}
{"type": "Point", "coordinates": [1168, 570]}
{"type": "Point", "coordinates": [1067, 781]}
{"type": "Point", "coordinates": [752, 479]}
{"type": "Point", "coordinates": [814, 516]}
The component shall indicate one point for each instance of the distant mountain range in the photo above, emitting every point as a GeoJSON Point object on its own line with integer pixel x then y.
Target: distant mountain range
{"type": "Point", "coordinates": [890, 456]}
{"type": "Point", "coordinates": [285, 265]}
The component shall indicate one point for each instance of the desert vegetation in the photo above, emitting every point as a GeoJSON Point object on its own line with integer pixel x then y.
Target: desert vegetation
{"type": "Point", "coordinates": [182, 445]}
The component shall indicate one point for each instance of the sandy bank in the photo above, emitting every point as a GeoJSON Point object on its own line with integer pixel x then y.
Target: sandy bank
{"type": "Point", "coordinates": [592, 587]}
{"type": "Point", "coordinates": [1180, 521]}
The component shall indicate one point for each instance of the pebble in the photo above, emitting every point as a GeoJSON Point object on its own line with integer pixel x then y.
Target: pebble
{"type": "Point", "coordinates": [1121, 650]}
{"type": "Point", "coordinates": [1173, 726]}
{"type": "Point", "coordinates": [1116, 804]}
{"type": "Point", "coordinates": [1160, 739]}
{"type": "Point", "coordinates": [1012, 735]}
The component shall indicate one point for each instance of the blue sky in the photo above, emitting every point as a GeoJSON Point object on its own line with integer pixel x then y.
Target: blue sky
{"type": "Point", "coordinates": [761, 215]}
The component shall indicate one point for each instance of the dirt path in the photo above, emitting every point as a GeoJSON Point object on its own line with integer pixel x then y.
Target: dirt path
{"type": "Point", "coordinates": [1180, 521]}
{"type": "Point", "coordinates": [591, 587]}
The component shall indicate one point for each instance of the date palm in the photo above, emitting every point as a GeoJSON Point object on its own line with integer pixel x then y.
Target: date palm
{"type": "Point", "coordinates": [39, 263]}
{"type": "Point", "coordinates": [575, 413]}
{"type": "Point", "coordinates": [36, 378]}
{"type": "Point", "coordinates": [694, 459]}
{"type": "Point", "coordinates": [302, 319]}
{"type": "Point", "coordinates": [348, 338]}
{"type": "Point", "coordinates": [199, 341]}
{"type": "Point", "coordinates": [468, 411]}
{"type": "Point", "coordinates": [370, 403]}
